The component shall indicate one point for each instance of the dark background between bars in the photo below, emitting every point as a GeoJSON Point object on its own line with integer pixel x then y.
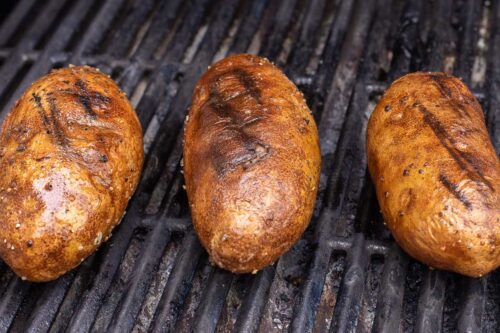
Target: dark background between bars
{"type": "Point", "coordinates": [346, 274]}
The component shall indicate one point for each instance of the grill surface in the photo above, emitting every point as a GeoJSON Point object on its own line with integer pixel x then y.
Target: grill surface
{"type": "Point", "coordinates": [346, 273]}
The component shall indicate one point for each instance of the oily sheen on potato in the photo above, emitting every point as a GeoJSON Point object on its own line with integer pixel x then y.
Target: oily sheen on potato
{"type": "Point", "coordinates": [251, 163]}
{"type": "Point", "coordinates": [436, 173]}
{"type": "Point", "coordinates": [71, 156]}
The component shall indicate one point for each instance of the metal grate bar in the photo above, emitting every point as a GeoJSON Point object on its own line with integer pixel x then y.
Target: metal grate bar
{"type": "Point", "coordinates": [128, 309]}
{"type": "Point", "coordinates": [491, 315]}
{"type": "Point", "coordinates": [98, 27]}
{"type": "Point", "coordinates": [305, 46]}
{"type": "Point", "coordinates": [57, 41]}
{"type": "Point", "coordinates": [493, 115]}
{"type": "Point", "coordinates": [251, 311]}
{"type": "Point", "coordinates": [178, 284]}
{"type": "Point", "coordinates": [83, 275]}
{"type": "Point", "coordinates": [121, 38]}
{"type": "Point", "coordinates": [250, 25]}
{"type": "Point", "coordinates": [11, 300]}
{"type": "Point", "coordinates": [430, 305]}
{"type": "Point", "coordinates": [47, 305]}
{"type": "Point", "coordinates": [190, 24]}
{"type": "Point", "coordinates": [473, 306]}
{"type": "Point", "coordinates": [5, 276]}
{"type": "Point", "coordinates": [162, 24]}
{"type": "Point", "coordinates": [341, 89]}
{"type": "Point", "coordinates": [33, 35]}
{"type": "Point", "coordinates": [345, 315]}
{"type": "Point", "coordinates": [406, 41]}
{"type": "Point", "coordinates": [11, 24]}
{"type": "Point", "coordinates": [442, 35]}
{"type": "Point", "coordinates": [271, 45]}
{"type": "Point", "coordinates": [311, 292]}
{"type": "Point", "coordinates": [390, 300]}
{"type": "Point", "coordinates": [470, 14]}
{"type": "Point", "coordinates": [331, 53]}
{"type": "Point", "coordinates": [213, 298]}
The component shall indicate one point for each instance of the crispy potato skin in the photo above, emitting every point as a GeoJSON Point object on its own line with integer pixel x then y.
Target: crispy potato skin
{"type": "Point", "coordinates": [251, 163]}
{"type": "Point", "coordinates": [436, 173]}
{"type": "Point", "coordinates": [71, 156]}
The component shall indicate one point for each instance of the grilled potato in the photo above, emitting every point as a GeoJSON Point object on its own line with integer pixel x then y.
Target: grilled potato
{"type": "Point", "coordinates": [251, 163]}
{"type": "Point", "coordinates": [436, 173]}
{"type": "Point", "coordinates": [71, 156]}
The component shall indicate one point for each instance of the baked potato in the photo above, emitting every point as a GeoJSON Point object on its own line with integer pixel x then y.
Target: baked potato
{"type": "Point", "coordinates": [251, 163]}
{"type": "Point", "coordinates": [436, 173]}
{"type": "Point", "coordinates": [71, 157]}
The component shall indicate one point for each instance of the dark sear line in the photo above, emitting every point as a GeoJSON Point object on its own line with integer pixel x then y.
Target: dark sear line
{"type": "Point", "coordinates": [449, 143]}
{"type": "Point", "coordinates": [51, 120]}
{"type": "Point", "coordinates": [55, 115]}
{"type": "Point", "coordinates": [54, 128]}
{"type": "Point", "coordinates": [453, 189]}
{"type": "Point", "coordinates": [86, 98]}
{"type": "Point", "coordinates": [41, 112]}
{"type": "Point", "coordinates": [249, 83]}
{"type": "Point", "coordinates": [86, 105]}
{"type": "Point", "coordinates": [224, 158]}
{"type": "Point", "coordinates": [83, 97]}
{"type": "Point", "coordinates": [446, 92]}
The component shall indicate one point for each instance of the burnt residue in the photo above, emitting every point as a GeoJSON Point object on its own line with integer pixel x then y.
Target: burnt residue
{"type": "Point", "coordinates": [453, 189]}
{"type": "Point", "coordinates": [463, 160]}
{"type": "Point", "coordinates": [445, 91]}
{"type": "Point", "coordinates": [245, 149]}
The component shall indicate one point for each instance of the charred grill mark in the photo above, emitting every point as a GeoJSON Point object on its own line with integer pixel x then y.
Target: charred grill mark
{"type": "Point", "coordinates": [246, 79]}
{"type": "Point", "coordinates": [55, 115]}
{"type": "Point", "coordinates": [81, 85]}
{"type": "Point", "coordinates": [462, 159]}
{"type": "Point", "coordinates": [453, 189]}
{"type": "Point", "coordinates": [447, 93]}
{"type": "Point", "coordinates": [84, 98]}
{"type": "Point", "coordinates": [227, 158]}
{"type": "Point", "coordinates": [88, 98]}
{"type": "Point", "coordinates": [37, 99]}
{"type": "Point", "coordinates": [41, 112]}
{"type": "Point", "coordinates": [473, 161]}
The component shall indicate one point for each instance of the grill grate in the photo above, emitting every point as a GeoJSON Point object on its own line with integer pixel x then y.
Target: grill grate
{"type": "Point", "coordinates": [346, 273]}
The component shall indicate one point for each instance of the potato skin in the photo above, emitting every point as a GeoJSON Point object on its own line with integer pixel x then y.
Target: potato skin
{"type": "Point", "coordinates": [251, 163]}
{"type": "Point", "coordinates": [436, 173]}
{"type": "Point", "coordinates": [71, 156]}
